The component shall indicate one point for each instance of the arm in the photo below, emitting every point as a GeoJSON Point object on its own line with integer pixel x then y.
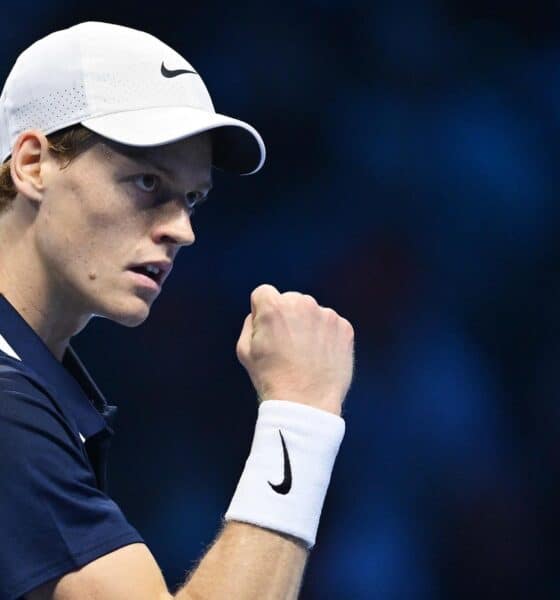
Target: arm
{"type": "Point", "coordinates": [291, 335]}
{"type": "Point", "coordinates": [248, 562]}
{"type": "Point", "coordinates": [245, 562]}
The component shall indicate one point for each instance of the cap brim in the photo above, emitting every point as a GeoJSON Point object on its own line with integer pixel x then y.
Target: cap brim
{"type": "Point", "coordinates": [236, 146]}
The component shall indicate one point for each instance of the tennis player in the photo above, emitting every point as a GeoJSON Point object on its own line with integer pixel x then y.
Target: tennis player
{"type": "Point", "coordinates": [108, 138]}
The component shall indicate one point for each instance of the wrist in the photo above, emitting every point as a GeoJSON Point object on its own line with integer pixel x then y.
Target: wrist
{"type": "Point", "coordinates": [287, 473]}
{"type": "Point", "coordinates": [329, 404]}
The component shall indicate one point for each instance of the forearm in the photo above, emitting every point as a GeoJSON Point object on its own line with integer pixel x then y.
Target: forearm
{"type": "Point", "coordinates": [248, 562]}
{"type": "Point", "coordinates": [254, 556]}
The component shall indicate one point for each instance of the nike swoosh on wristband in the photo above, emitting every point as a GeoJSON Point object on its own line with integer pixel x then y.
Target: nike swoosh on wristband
{"type": "Point", "coordinates": [286, 485]}
{"type": "Point", "coordinates": [173, 73]}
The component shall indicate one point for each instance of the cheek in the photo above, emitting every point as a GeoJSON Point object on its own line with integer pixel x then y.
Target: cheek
{"type": "Point", "coordinates": [84, 230]}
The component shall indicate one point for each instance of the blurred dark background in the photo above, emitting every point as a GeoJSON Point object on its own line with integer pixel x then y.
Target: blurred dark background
{"type": "Point", "coordinates": [412, 185]}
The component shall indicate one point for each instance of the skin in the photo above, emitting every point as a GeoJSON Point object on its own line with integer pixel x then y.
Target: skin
{"type": "Point", "coordinates": [65, 245]}
{"type": "Point", "coordinates": [71, 233]}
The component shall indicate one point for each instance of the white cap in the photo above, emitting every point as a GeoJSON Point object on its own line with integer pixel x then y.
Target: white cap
{"type": "Point", "coordinates": [125, 85]}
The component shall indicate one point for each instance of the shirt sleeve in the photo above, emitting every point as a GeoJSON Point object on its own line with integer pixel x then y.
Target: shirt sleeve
{"type": "Point", "coordinates": [53, 517]}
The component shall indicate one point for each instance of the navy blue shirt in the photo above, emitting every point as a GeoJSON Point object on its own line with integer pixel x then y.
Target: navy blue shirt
{"type": "Point", "coordinates": [55, 431]}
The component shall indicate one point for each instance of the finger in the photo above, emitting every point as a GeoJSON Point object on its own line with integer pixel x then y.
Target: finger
{"type": "Point", "coordinates": [298, 297]}
{"type": "Point", "coordinates": [261, 294]}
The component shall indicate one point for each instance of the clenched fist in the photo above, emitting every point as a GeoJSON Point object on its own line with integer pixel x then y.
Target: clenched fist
{"type": "Point", "coordinates": [294, 349]}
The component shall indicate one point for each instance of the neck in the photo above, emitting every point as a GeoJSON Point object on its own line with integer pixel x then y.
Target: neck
{"type": "Point", "coordinates": [25, 282]}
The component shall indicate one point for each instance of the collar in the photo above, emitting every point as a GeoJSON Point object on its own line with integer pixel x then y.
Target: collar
{"type": "Point", "coordinates": [70, 384]}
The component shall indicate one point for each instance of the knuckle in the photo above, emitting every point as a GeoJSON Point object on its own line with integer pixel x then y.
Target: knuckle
{"type": "Point", "coordinates": [347, 326]}
{"type": "Point", "coordinates": [268, 311]}
{"type": "Point", "coordinates": [329, 313]}
{"type": "Point", "coordinates": [263, 290]}
{"type": "Point", "coordinates": [294, 301]}
{"type": "Point", "coordinates": [258, 291]}
{"type": "Point", "coordinates": [297, 299]}
{"type": "Point", "coordinates": [292, 296]}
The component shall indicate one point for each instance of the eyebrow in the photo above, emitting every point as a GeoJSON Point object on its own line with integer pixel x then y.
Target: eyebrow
{"type": "Point", "coordinates": [138, 156]}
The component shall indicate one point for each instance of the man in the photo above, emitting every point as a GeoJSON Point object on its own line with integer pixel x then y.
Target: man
{"type": "Point", "coordinates": [109, 137]}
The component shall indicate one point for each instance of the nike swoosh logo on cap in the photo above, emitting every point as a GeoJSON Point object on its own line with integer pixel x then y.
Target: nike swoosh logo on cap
{"type": "Point", "coordinates": [173, 73]}
{"type": "Point", "coordinates": [286, 485]}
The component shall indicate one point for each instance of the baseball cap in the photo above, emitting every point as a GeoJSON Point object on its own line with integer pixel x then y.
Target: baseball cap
{"type": "Point", "coordinates": [125, 85]}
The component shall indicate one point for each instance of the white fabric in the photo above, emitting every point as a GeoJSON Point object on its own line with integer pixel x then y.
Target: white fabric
{"type": "Point", "coordinates": [312, 437]}
{"type": "Point", "coordinates": [95, 73]}
{"type": "Point", "coordinates": [5, 347]}
{"type": "Point", "coordinates": [147, 127]}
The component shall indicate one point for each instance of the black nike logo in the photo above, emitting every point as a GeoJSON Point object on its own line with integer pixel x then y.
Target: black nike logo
{"type": "Point", "coordinates": [286, 485]}
{"type": "Point", "coordinates": [168, 73]}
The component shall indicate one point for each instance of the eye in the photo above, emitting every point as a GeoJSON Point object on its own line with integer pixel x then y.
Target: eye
{"type": "Point", "coordinates": [148, 182]}
{"type": "Point", "coordinates": [193, 199]}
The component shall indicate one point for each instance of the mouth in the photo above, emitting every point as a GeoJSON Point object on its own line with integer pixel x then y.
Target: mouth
{"type": "Point", "coordinates": [151, 273]}
{"type": "Point", "coordinates": [147, 279]}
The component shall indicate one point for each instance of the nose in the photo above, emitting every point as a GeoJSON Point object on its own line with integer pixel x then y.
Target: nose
{"type": "Point", "coordinates": [175, 226]}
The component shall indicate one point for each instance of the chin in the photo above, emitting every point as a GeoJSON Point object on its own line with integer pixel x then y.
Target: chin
{"type": "Point", "coordinates": [130, 313]}
{"type": "Point", "coordinates": [131, 321]}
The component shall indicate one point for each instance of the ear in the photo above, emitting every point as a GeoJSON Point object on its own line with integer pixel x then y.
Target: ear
{"type": "Point", "coordinates": [30, 154]}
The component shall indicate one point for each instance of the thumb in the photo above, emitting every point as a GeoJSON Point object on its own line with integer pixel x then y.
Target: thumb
{"type": "Point", "coordinates": [261, 294]}
{"type": "Point", "coordinates": [243, 348]}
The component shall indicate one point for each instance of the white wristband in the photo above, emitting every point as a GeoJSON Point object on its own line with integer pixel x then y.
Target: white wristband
{"type": "Point", "coordinates": [287, 473]}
